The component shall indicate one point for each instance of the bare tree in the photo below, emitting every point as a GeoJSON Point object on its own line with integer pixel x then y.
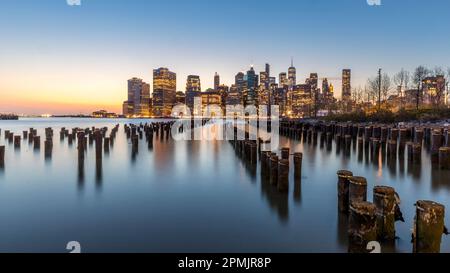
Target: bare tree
{"type": "Point", "coordinates": [420, 74]}
{"type": "Point", "coordinates": [386, 86]}
{"type": "Point", "coordinates": [401, 80]}
{"type": "Point", "coordinates": [379, 91]}
{"type": "Point", "coordinates": [357, 95]}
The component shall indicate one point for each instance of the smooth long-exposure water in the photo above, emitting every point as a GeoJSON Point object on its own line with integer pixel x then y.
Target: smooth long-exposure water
{"type": "Point", "coordinates": [188, 196]}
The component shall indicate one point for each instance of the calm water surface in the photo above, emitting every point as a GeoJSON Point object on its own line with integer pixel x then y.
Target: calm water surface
{"type": "Point", "coordinates": [188, 197]}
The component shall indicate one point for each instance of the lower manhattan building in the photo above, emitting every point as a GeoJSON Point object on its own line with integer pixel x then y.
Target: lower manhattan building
{"type": "Point", "coordinates": [138, 103]}
{"type": "Point", "coordinates": [164, 92]}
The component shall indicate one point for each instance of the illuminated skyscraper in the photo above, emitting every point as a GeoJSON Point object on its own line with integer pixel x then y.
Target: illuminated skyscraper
{"type": "Point", "coordinates": [292, 75]}
{"type": "Point", "coordinates": [250, 93]}
{"type": "Point", "coordinates": [164, 91]}
{"type": "Point", "coordinates": [239, 82]}
{"type": "Point", "coordinates": [193, 90]}
{"type": "Point", "coordinates": [346, 90]}
{"type": "Point", "coordinates": [138, 103]}
{"type": "Point", "coordinates": [283, 81]}
{"type": "Point", "coordinates": [216, 81]}
{"type": "Point", "coordinates": [346, 85]}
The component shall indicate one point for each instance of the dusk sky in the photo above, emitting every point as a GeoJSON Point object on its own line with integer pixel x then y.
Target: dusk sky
{"type": "Point", "coordinates": [56, 58]}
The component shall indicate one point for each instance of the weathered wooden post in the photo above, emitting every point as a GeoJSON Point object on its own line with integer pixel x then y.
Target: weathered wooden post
{"type": "Point", "coordinates": [37, 142]}
{"type": "Point", "coordinates": [25, 135]}
{"type": "Point", "coordinates": [285, 153]}
{"type": "Point", "coordinates": [428, 227]}
{"type": "Point", "coordinates": [436, 143]}
{"type": "Point", "coordinates": [444, 158]}
{"type": "Point", "coordinates": [106, 144]}
{"type": "Point", "coordinates": [48, 146]}
{"type": "Point", "coordinates": [343, 190]}
{"type": "Point", "coordinates": [283, 175]}
{"type": "Point", "coordinates": [2, 156]}
{"type": "Point", "coordinates": [17, 142]}
{"type": "Point", "coordinates": [392, 148]}
{"type": "Point", "coordinates": [264, 164]}
{"type": "Point", "coordinates": [362, 226]}
{"type": "Point", "coordinates": [357, 190]}
{"type": "Point", "coordinates": [274, 169]}
{"type": "Point", "coordinates": [385, 202]}
{"type": "Point", "coordinates": [298, 159]}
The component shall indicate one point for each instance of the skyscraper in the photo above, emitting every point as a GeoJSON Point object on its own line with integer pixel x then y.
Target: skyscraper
{"type": "Point", "coordinates": [193, 90]}
{"type": "Point", "coordinates": [346, 85]}
{"type": "Point", "coordinates": [216, 81]}
{"type": "Point", "coordinates": [239, 82]}
{"type": "Point", "coordinates": [283, 81]}
{"type": "Point", "coordinates": [164, 91]}
{"type": "Point", "coordinates": [250, 93]}
{"type": "Point", "coordinates": [138, 103]}
{"type": "Point", "coordinates": [346, 90]}
{"type": "Point", "coordinates": [292, 75]}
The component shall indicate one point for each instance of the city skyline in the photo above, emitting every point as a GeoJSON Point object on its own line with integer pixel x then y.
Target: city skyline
{"type": "Point", "coordinates": [61, 59]}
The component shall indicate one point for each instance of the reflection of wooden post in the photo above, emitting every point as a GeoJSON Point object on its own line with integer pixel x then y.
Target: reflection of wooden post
{"type": "Point", "coordinates": [362, 225]}
{"type": "Point", "coordinates": [283, 175]}
{"type": "Point", "coordinates": [357, 190]}
{"type": "Point", "coordinates": [343, 187]}
{"type": "Point", "coordinates": [428, 227]}
{"type": "Point", "coordinates": [384, 199]}
{"type": "Point", "coordinates": [444, 158]}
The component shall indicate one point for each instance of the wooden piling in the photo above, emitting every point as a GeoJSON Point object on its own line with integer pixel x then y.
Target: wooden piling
{"type": "Point", "coordinates": [385, 202]}
{"type": "Point", "coordinates": [17, 142]}
{"type": "Point", "coordinates": [2, 156]}
{"type": "Point", "coordinates": [343, 190]}
{"type": "Point", "coordinates": [274, 169]}
{"type": "Point", "coordinates": [298, 159]}
{"type": "Point", "coordinates": [362, 225]}
{"type": "Point", "coordinates": [428, 227]}
{"type": "Point", "coordinates": [357, 190]}
{"type": "Point", "coordinates": [37, 142]}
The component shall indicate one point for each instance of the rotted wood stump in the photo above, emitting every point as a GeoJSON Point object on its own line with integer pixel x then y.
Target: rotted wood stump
{"type": "Point", "coordinates": [362, 226]}
{"type": "Point", "coordinates": [37, 142]}
{"type": "Point", "coordinates": [17, 140]}
{"type": "Point", "coordinates": [2, 156]}
{"type": "Point", "coordinates": [298, 159]}
{"type": "Point", "coordinates": [385, 202]}
{"type": "Point", "coordinates": [343, 190]}
{"type": "Point", "coordinates": [428, 227]}
{"type": "Point", "coordinates": [285, 153]}
{"type": "Point", "coordinates": [357, 190]}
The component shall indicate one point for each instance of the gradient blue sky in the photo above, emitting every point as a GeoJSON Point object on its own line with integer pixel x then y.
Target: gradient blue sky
{"type": "Point", "coordinates": [56, 58]}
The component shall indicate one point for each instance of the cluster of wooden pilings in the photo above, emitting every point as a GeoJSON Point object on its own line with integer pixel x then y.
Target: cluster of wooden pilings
{"type": "Point", "coordinates": [376, 221]}
{"type": "Point", "coordinates": [275, 167]}
{"type": "Point", "coordinates": [390, 139]}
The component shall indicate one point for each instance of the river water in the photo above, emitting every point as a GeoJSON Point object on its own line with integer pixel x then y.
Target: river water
{"type": "Point", "coordinates": [188, 196]}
